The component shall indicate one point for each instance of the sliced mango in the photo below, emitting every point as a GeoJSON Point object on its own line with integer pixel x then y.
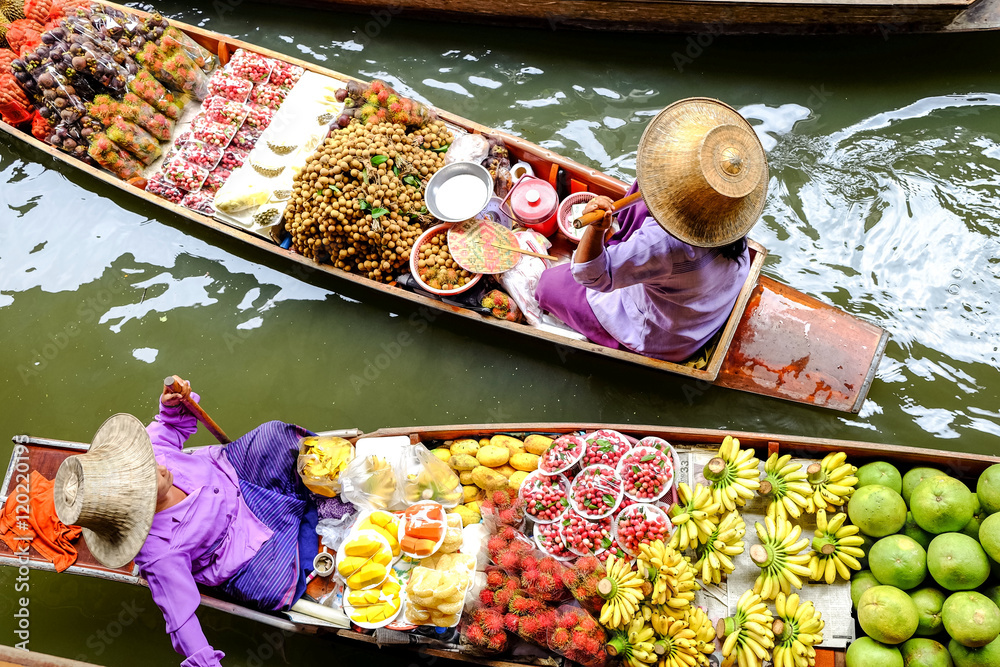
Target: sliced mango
{"type": "Point", "coordinates": [370, 573]}
{"type": "Point", "coordinates": [363, 547]}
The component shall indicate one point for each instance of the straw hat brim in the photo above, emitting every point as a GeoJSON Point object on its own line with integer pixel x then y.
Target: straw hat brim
{"type": "Point", "coordinates": [695, 135]}
{"type": "Point", "coordinates": [110, 491]}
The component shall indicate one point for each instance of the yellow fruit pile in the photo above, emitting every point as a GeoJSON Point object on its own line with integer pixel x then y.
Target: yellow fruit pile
{"type": "Point", "coordinates": [436, 597]}
{"type": "Point", "coordinates": [321, 460]}
{"type": "Point", "coordinates": [375, 605]}
{"type": "Point", "coordinates": [365, 561]}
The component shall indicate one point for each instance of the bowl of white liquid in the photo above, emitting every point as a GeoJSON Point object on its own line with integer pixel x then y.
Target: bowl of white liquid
{"type": "Point", "coordinates": [458, 191]}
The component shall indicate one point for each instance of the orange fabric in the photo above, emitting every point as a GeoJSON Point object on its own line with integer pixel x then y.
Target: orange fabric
{"type": "Point", "coordinates": [824, 658]}
{"type": "Point", "coordinates": [49, 536]}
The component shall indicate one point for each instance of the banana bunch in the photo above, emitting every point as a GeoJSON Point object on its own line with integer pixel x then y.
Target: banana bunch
{"type": "Point", "coordinates": [797, 629]}
{"type": "Point", "coordinates": [780, 558]}
{"type": "Point", "coordinates": [733, 475]}
{"type": "Point", "coordinates": [748, 634]}
{"type": "Point", "coordinates": [694, 516]}
{"type": "Point", "coordinates": [634, 644]}
{"type": "Point", "coordinates": [622, 592]}
{"type": "Point", "coordinates": [678, 644]}
{"type": "Point", "coordinates": [832, 482]}
{"type": "Point", "coordinates": [836, 548]}
{"type": "Point", "coordinates": [786, 484]}
{"type": "Point", "coordinates": [715, 555]}
{"type": "Point", "coordinates": [671, 573]}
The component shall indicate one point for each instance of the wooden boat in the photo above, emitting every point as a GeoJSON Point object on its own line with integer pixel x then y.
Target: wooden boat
{"type": "Point", "coordinates": [777, 342]}
{"type": "Point", "coordinates": [46, 455]}
{"type": "Point", "coordinates": [703, 19]}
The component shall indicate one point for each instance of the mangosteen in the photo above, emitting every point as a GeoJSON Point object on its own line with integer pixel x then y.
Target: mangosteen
{"type": "Point", "coordinates": [69, 144]}
{"type": "Point", "coordinates": [157, 33]}
{"type": "Point", "coordinates": [18, 65]}
{"type": "Point", "coordinates": [46, 80]}
{"type": "Point", "coordinates": [341, 94]}
{"type": "Point", "coordinates": [344, 120]}
{"type": "Point", "coordinates": [45, 112]}
{"type": "Point", "coordinates": [48, 95]}
{"type": "Point", "coordinates": [70, 90]}
{"type": "Point", "coordinates": [86, 132]}
{"type": "Point", "coordinates": [79, 63]}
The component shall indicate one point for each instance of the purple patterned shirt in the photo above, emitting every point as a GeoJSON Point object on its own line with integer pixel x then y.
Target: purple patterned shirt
{"type": "Point", "coordinates": [657, 295]}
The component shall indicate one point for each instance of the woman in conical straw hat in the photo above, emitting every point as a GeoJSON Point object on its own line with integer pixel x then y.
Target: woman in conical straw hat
{"type": "Point", "coordinates": [234, 517]}
{"type": "Point", "coordinates": [666, 282]}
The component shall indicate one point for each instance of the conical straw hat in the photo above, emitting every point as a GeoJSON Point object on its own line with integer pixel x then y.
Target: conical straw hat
{"type": "Point", "coordinates": [110, 491]}
{"type": "Point", "coordinates": [702, 172]}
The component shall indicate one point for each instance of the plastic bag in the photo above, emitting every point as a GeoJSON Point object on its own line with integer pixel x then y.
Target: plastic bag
{"type": "Point", "coordinates": [134, 139]}
{"type": "Point", "coordinates": [132, 108]}
{"type": "Point", "coordinates": [468, 148]}
{"type": "Point", "coordinates": [107, 154]}
{"type": "Point", "coordinates": [320, 462]}
{"type": "Point", "coordinates": [577, 636]}
{"type": "Point", "coordinates": [170, 64]}
{"type": "Point", "coordinates": [334, 531]}
{"type": "Point", "coordinates": [482, 632]}
{"type": "Point", "coordinates": [502, 306]}
{"type": "Point", "coordinates": [423, 476]}
{"type": "Point", "coordinates": [146, 87]}
{"type": "Point", "coordinates": [369, 482]}
{"type": "Point", "coordinates": [59, 95]}
{"type": "Point", "coordinates": [521, 282]}
{"type": "Point", "coordinates": [201, 56]}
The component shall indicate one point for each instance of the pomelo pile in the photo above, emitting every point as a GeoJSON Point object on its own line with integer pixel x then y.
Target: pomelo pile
{"type": "Point", "coordinates": [930, 597]}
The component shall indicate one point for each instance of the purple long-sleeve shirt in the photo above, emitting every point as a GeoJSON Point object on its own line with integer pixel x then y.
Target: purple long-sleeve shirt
{"type": "Point", "coordinates": [204, 539]}
{"type": "Point", "coordinates": [654, 293]}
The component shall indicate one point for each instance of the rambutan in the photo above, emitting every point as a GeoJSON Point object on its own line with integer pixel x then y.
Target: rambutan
{"type": "Point", "coordinates": [528, 627]}
{"type": "Point", "coordinates": [486, 597]}
{"type": "Point", "coordinates": [512, 584]}
{"type": "Point", "coordinates": [510, 561]}
{"type": "Point", "coordinates": [579, 637]}
{"type": "Point", "coordinates": [491, 621]}
{"type": "Point", "coordinates": [521, 605]}
{"type": "Point", "coordinates": [508, 533]}
{"type": "Point", "coordinates": [549, 565]}
{"type": "Point", "coordinates": [588, 624]}
{"type": "Point", "coordinates": [509, 517]}
{"type": "Point", "coordinates": [500, 499]}
{"type": "Point", "coordinates": [495, 578]}
{"type": "Point", "coordinates": [501, 599]}
{"type": "Point", "coordinates": [474, 635]}
{"type": "Point", "coordinates": [591, 646]}
{"type": "Point", "coordinates": [529, 562]}
{"type": "Point", "coordinates": [529, 578]}
{"type": "Point", "coordinates": [497, 643]}
{"type": "Point", "coordinates": [510, 622]}
{"type": "Point", "coordinates": [559, 639]}
{"type": "Point", "coordinates": [383, 97]}
{"type": "Point", "coordinates": [567, 621]}
{"type": "Point", "coordinates": [377, 86]}
{"type": "Point", "coordinates": [495, 546]}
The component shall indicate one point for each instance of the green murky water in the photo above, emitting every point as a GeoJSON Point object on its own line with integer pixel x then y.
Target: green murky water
{"type": "Point", "coordinates": [885, 191]}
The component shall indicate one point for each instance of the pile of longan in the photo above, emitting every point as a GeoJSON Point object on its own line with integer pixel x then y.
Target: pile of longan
{"type": "Point", "coordinates": [351, 208]}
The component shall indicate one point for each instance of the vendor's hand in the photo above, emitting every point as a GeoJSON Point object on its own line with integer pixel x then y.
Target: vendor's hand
{"type": "Point", "coordinates": [603, 204]}
{"type": "Point", "coordinates": [170, 398]}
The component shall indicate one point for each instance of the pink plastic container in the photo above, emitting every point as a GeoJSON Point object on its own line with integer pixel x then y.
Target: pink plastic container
{"type": "Point", "coordinates": [565, 219]}
{"type": "Point", "coordinates": [533, 203]}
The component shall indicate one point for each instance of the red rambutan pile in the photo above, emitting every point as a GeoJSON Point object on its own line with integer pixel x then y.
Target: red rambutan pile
{"type": "Point", "coordinates": [473, 634]}
{"type": "Point", "coordinates": [486, 597]}
{"type": "Point", "coordinates": [501, 599]}
{"type": "Point", "coordinates": [495, 578]}
{"type": "Point", "coordinates": [510, 561]}
{"type": "Point", "coordinates": [496, 546]}
{"type": "Point", "coordinates": [497, 643]}
{"type": "Point", "coordinates": [559, 641]}
{"type": "Point", "coordinates": [492, 621]}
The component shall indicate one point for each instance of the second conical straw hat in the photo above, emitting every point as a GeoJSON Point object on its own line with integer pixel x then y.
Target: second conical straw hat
{"type": "Point", "coordinates": [702, 172]}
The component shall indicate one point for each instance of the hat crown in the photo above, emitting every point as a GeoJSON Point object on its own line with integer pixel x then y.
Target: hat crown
{"type": "Point", "coordinates": [110, 491]}
{"type": "Point", "coordinates": [702, 172]}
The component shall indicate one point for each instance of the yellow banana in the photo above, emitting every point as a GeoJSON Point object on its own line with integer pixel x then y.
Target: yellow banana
{"type": "Point", "coordinates": [694, 516]}
{"type": "Point", "coordinates": [836, 548]}
{"type": "Point", "coordinates": [786, 485]}
{"type": "Point", "coordinates": [733, 475]}
{"type": "Point", "coordinates": [715, 555]}
{"type": "Point", "coordinates": [832, 481]}
{"type": "Point", "coordinates": [797, 629]}
{"type": "Point", "coordinates": [780, 557]}
{"type": "Point", "coordinates": [621, 589]}
{"type": "Point", "coordinates": [746, 642]}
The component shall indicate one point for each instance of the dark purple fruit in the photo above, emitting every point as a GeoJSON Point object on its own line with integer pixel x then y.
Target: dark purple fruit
{"type": "Point", "coordinates": [46, 80]}
{"type": "Point", "coordinates": [344, 120]}
{"type": "Point", "coordinates": [341, 94]}
{"type": "Point", "coordinates": [48, 38]}
{"type": "Point", "coordinates": [79, 63]}
{"type": "Point", "coordinates": [69, 144]}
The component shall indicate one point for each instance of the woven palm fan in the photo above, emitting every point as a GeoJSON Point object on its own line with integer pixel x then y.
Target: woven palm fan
{"type": "Point", "coordinates": [110, 491]}
{"type": "Point", "coordinates": [702, 172]}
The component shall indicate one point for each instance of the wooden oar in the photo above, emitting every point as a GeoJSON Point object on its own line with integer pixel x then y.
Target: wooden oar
{"type": "Point", "coordinates": [173, 385]}
{"type": "Point", "coordinates": [596, 216]}
{"type": "Point", "coordinates": [523, 251]}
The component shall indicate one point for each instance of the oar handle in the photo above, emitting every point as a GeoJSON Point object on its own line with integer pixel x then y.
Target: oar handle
{"type": "Point", "coordinates": [522, 251]}
{"type": "Point", "coordinates": [598, 215]}
{"type": "Point", "coordinates": [171, 383]}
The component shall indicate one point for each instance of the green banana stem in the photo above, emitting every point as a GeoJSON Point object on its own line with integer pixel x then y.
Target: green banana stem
{"type": "Point", "coordinates": [815, 474]}
{"type": "Point", "coordinates": [824, 545]}
{"type": "Point", "coordinates": [607, 588]}
{"type": "Point", "coordinates": [716, 469]}
{"type": "Point", "coordinates": [618, 646]}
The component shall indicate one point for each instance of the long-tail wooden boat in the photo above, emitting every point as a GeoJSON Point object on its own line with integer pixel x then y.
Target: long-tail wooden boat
{"type": "Point", "coordinates": [702, 19]}
{"type": "Point", "coordinates": [777, 342]}
{"type": "Point", "coordinates": [45, 456]}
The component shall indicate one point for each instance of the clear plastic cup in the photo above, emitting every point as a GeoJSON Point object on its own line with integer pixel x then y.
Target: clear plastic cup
{"type": "Point", "coordinates": [549, 540]}
{"type": "Point", "coordinates": [585, 536]}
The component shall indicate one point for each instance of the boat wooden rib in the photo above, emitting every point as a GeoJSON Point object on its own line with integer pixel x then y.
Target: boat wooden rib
{"type": "Point", "coordinates": [777, 342]}
{"type": "Point", "coordinates": [702, 19]}
{"type": "Point", "coordinates": [46, 455]}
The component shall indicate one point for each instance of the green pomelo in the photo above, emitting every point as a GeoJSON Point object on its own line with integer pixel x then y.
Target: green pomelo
{"type": "Point", "coordinates": [988, 489]}
{"type": "Point", "coordinates": [877, 510]}
{"type": "Point", "coordinates": [922, 652]}
{"type": "Point", "coordinates": [879, 472]}
{"type": "Point", "coordinates": [887, 614]}
{"type": "Point", "coordinates": [941, 505]}
{"type": "Point", "coordinates": [957, 562]}
{"type": "Point", "coordinates": [911, 529]}
{"type": "Point", "coordinates": [989, 536]}
{"type": "Point", "coordinates": [971, 618]}
{"type": "Point", "coordinates": [963, 656]}
{"type": "Point", "coordinates": [861, 582]}
{"type": "Point", "coordinates": [866, 652]}
{"type": "Point", "coordinates": [978, 515]}
{"type": "Point", "coordinates": [898, 560]}
{"type": "Point", "coordinates": [913, 478]}
{"type": "Point", "coordinates": [928, 602]}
